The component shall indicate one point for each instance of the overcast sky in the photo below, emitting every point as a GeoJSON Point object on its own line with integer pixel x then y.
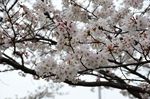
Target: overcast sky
{"type": "Point", "coordinates": [12, 84]}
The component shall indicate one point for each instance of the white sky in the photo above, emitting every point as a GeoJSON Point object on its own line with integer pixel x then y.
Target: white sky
{"type": "Point", "coordinates": [12, 84]}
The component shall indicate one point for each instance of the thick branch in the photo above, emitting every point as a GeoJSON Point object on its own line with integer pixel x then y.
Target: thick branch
{"type": "Point", "coordinates": [17, 65]}
{"type": "Point", "coordinates": [109, 84]}
{"type": "Point", "coordinates": [117, 85]}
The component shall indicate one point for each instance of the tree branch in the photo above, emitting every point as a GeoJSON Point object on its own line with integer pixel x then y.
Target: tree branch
{"type": "Point", "coordinates": [17, 66]}
{"type": "Point", "coordinates": [118, 85]}
{"type": "Point", "coordinates": [108, 84]}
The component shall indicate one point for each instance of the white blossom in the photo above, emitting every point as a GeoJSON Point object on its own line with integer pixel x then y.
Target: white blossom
{"type": "Point", "coordinates": [66, 43]}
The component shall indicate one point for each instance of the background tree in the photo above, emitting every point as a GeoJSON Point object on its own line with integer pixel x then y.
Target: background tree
{"type": "Point", "coordinates": [107, 39]}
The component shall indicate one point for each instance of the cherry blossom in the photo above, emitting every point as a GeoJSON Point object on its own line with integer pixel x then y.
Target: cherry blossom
{"type": "Point", "coordinates": [88, 37]}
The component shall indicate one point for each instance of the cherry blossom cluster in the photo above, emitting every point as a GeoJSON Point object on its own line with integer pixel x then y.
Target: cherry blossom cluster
{"type": "Point", "coordinates": [81, 36]}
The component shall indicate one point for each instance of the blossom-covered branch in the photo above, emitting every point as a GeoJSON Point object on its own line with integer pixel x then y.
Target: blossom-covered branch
{"type": "Point", "coordinates": [106, 39]}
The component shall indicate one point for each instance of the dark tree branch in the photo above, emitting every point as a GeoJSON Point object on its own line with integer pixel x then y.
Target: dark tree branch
{"type": "Point", "coordinates": [119, 85]}
{"type": "Point", "coordinates": [75, 4]}
{"type": "Point", "coordinates": [17, 66]}
{"type": "Point", "coordinates": [109, 84]}
{"type": "Point", "coordinates": [120, 81]}
{"type": "Point", "coordinates": [15, 2]}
